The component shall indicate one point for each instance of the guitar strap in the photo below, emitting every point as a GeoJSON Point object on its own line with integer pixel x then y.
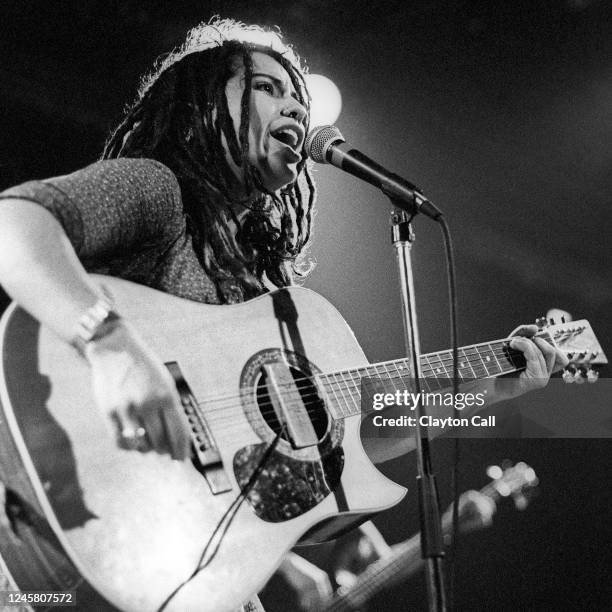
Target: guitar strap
{"type": "Point", "coordinates": [286, 314]}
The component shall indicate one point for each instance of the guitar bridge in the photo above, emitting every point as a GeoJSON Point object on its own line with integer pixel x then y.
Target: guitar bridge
{"type": "Point", "coordinates": [205, 454]}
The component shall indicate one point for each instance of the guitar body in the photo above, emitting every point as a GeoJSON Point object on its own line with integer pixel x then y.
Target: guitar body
{"type": "Point", "coordinates": [136, 525]}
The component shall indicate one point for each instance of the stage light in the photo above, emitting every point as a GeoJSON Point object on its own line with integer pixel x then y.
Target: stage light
{"type": "Point", "coordinates": [326, 100]}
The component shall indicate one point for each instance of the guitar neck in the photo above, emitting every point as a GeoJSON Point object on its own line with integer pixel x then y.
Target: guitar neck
{"type": "Point", "coordinates": [405, 561]}
{"type": "Point", "coordinates": [476, 361]}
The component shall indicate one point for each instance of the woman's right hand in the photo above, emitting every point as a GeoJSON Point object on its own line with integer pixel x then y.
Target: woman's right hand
{"type": "Point", "coordinates": [137, 393]}
{"type": "Point", "coordinates": [41, 271]}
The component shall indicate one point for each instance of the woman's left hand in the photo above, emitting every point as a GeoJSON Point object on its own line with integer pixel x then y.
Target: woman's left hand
{"type": "Point", "coordinates": [542, 360]}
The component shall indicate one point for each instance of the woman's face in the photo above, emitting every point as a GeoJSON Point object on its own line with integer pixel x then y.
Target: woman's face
{"type": "Point", "coordinates": [276, 121]}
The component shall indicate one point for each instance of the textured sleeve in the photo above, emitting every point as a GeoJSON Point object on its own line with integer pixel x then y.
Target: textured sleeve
{"type": "Point", "coordinates": [112, 207]}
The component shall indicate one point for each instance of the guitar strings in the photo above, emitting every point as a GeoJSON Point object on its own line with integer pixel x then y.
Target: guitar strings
{"type": "Point", "coordinates": [429, 372]}
{"type": "Point", "coordinates": [312, 405]}
{"type": "Point", "coordinates": [352, 387]}
{"type": "Point", "coordinates": [338, 393]}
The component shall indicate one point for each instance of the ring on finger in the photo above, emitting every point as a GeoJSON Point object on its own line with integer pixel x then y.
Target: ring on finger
{"type": "Point", "coordinates": [134, 439]}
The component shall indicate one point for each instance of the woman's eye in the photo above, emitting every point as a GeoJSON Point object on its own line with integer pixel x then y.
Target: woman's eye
{"type": "Point", "coordinates": [263, 86]}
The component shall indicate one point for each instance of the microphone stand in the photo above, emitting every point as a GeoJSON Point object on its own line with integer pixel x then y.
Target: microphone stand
{"type": "Point", "coordinates": [432, 544]}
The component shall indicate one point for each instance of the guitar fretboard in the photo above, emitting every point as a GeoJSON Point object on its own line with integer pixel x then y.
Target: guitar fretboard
{"type": "Point", "coordinates": [477, 361]}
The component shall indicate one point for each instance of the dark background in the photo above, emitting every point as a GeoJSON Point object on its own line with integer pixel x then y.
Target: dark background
{"type": "Point", "coordinates": [502, 112]}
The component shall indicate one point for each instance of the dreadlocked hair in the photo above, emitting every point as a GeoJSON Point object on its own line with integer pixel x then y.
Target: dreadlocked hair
{"type": "Point", "coordinates": [180, 118]}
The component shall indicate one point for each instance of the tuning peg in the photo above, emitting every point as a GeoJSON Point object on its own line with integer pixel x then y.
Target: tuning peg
{"type": "Point", "coordinates": [541, 322]}
{"type": "Point", "coordinates": [592, 375]}
{"type": "Point", "coordinates": [556, 314]}
{"type": "Point", "coordinates": [579, 377]}
{"type": "Point", "coordinates": [568, 376]}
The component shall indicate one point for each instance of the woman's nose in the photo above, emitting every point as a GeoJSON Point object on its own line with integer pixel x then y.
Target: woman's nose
{"type": "Point", "coordinates": [294, 110]}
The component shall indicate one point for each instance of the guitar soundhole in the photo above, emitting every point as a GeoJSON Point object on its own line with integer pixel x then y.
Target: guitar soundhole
{"type": "Point", "coordinates": [309, 394]}
{"type": "Point", "coordinates": [305, 390]}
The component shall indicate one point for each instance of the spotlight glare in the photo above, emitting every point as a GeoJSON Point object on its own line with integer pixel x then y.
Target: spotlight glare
{"type": "Point", "coordinates": [326, 100]}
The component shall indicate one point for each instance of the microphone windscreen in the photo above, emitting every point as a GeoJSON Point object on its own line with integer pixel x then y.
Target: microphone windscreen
{"type": "Point", "coordinates": [319, 140]}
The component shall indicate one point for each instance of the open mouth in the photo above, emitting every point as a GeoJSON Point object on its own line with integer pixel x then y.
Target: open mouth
{"type": "Point", "coordinates": [288, 137]}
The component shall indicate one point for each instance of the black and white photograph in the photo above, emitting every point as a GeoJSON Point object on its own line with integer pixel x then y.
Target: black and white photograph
{"type": "Point", "coordinates": [305, 306]}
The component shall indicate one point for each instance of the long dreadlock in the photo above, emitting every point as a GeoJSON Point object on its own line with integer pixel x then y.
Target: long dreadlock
{"type": "Point", "coordinates": [181, 118]}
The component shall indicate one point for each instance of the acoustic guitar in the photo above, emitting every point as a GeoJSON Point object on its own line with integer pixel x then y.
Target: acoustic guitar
{"type": "Point", "coordinates": [271, 389]}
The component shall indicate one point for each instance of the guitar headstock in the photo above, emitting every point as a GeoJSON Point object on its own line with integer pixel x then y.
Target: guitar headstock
{"type": "Point", "coordinates": [515, 481]}
{"type": "Point", "coordinates": [578, 341]}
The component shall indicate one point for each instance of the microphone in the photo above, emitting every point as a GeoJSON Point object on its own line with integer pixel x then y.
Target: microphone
{"type": "Point", "coordinates": [326, 145]}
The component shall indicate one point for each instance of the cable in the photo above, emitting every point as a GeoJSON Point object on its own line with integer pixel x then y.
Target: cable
{"type": "Point", "coordinates": [452, 297]}
{"type": "Point", "coordinates": [224, 522]}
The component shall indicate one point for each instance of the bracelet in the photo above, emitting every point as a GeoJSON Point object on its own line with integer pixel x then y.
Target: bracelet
{"type": "Point", "coordinates": [91, 322]}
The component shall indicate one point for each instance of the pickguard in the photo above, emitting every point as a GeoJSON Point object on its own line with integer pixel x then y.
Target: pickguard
{"type": "Point", "coordinates": [286, 487]}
